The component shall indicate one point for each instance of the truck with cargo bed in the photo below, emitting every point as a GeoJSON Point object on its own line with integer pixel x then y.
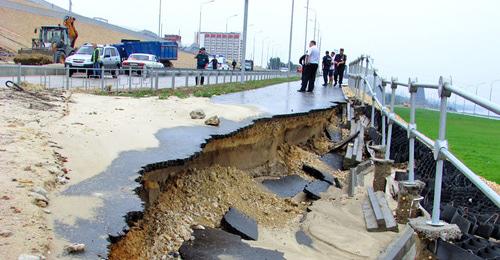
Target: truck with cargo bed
{"type": "Point", "coordinates": [165, 51]}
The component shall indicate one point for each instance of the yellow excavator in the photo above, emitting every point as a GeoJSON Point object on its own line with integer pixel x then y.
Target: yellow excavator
{"type": "Point", "coordinates": [55, 41]}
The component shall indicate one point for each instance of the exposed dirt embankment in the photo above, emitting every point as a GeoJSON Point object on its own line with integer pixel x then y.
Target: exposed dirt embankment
{"type": "Point", "coordinates": [201, 189]}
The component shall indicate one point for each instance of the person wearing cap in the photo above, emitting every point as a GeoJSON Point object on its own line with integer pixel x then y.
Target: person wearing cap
{"type": "Point", "coordinates": [201, 63]}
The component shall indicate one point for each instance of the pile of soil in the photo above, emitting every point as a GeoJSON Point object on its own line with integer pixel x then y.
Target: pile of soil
{"type": "Point", "coordinates": [201, 197]}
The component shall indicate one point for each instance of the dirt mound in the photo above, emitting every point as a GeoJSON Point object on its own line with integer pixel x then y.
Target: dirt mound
{"type": "Point", "coordinates": [200, 197]}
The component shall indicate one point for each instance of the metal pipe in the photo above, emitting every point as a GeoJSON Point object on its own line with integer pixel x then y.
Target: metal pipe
{"type": "Point", "coordinates": [372, 119]}
{"type": "Point", "coordinates": [364, 82]}
{"type": "Point", "coordinates": [244, 45]}
{"type": "Point", "coordinates": [383, 114]}
{"type": "Point", "coordinates": [438, 179]}
{"type": "Point", "coordinates": [475, 99]}
{"type": "Point", "coordinates": [389, 132]}
{"type": "Point", "coordinates": [307, 20]}
{"type": "Point", "coordinates": [412, 126]}
{"type": "Point", "coordinates": [290, 42]}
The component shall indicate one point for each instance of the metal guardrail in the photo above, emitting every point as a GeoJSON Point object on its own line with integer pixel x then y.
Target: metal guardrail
{"type": "Point", "coordinates": [359, 71]}
{"type": "Point", "coordinates": [124, 79]}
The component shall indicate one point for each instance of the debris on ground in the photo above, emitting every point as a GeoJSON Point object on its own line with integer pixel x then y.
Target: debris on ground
{"type": "Point", "coordinates": [75, 248]}
{"type": "Point", "coordinates": [213, 121]}
{"type": "Point", "coordinates": [197, 114]}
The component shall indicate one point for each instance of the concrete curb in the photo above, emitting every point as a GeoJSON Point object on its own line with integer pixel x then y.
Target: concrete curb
{"type": "Point", "coordinates": [403, 247]}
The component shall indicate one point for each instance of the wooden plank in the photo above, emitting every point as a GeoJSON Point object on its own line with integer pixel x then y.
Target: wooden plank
{"type": "Point", "coordinates": [356, 141]}
{"type": "Point", "coordinates": [377, 212]}
{"type": "Point", "coordinates": [390, 222]}
{"type": "Point", "coordinates": [370, 221]}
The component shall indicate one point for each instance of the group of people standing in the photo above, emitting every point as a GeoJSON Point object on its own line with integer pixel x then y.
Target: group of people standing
{"type": "Point", "coordinates": [333, 67]}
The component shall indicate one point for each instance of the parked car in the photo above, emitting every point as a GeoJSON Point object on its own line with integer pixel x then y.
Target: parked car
{"type": "Point", "coordinates": [284, 69]}
{"type": "Point", "coordinates": [81, 60]}
{"type": "Point", "coordinates": [139, 62]}
{"type": "Point", "coordinates": [223, 66]}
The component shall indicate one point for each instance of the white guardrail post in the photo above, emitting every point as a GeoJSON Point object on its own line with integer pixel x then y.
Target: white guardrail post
{"type": "Point", "coordinates": [440, 145]}
{"type": "Point", "coordinates": [384, 84]}
{"type": "Point", "coordinates": [364, 82]}
{"type": "Point", "coordinates": [412, 127]}
{"type": "Point", "coordinates": [374, 89]}
{"type": "Point", "coordinates": [392, 115]}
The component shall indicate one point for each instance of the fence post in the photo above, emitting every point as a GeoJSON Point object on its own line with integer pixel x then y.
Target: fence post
{"type": "Point", "coordinates": [208, 78]}
{"type": "Point", "coordinates": [231, 77]}
{"type": "Point", "coordinates": [217, 77]}
{"type": "Point", "coordinates": [440, 144]}
{"type": "Point", "coordinates": [374, 89]}
{"type": "Point", "coordinates": [394, 86]}
{"type": "Point", "coordinates": [364, 82]}
{"type": "Point", "coordinates": [102, 77]}
{"type": "Point", "coordinates": [187, 79]}
{"type": "Point", "coordinates": [67, 77]}
{"type": "Point", "coordinates": [384, 84]}
{"type": "Point", "coordinates": [412, 127]}
{"type": "Point", "coordinates": [129, 79]}
{"type": "Point", "coordinates": [173, 79]}
{"type": "Point", "coordinates": [157, 81]}
{"type": "Point", "coordinates": [45, 77]}
{"type": "Point", "coordinates": [19, 68]}
{"type": "Point", "coordinates": [360, 70]}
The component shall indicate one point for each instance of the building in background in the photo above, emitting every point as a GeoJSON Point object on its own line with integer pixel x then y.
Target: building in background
{"type": "Point", "coordinates": [227, 45]}
{"type": "Point", "coordinates": [173, 38]}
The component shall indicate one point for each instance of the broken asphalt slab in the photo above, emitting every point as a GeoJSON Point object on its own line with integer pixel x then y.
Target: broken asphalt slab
{"type": "Point", "coordinates": [315, 188]}
{"type": "Point", "coordinates": [218, 244]}
{"type": "Point", "coordinates": [240, 224]}
{"type": "Point", "coordinates": [321, 174]}
{"type": "Point", "coordinates": [287, 186]}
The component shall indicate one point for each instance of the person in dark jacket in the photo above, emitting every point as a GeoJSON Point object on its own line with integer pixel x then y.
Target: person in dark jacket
{"type": "Point", "coordinates": [215, 64]}
{"type": "Point", "coordinates": [339, 61]}
{"type": "Point", "coordinates": [326, 63]}
{"type": "Point", "coordinates": [201, 63]}
{"type": "Point", "coordinates": [302, 62]}
{"type": "Point", "coordinates": [234, 64]}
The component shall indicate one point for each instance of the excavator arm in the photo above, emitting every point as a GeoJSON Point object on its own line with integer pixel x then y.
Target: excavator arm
{"type": "Point", "coordinates": [72, 32]}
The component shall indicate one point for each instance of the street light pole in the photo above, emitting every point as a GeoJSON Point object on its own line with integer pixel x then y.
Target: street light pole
{"type": "Point", "coordinates": [227, 36]}
{"type": "Point", "coordinates": [307, 20]}
{"type": "Point", "coordinates": [228, 18]}
{"type": "Point", "coordinates": [491, 90]}
{"type": "Point", "coordinates": [159, 21]}
{"type": "Point", "coordinates": [199, 25]}
{"type": "Point", "coordinates": [253, 51]}
{"type": "Point", "coordinates": [243, 49]}
{"type": "Point", "coordinates": [315, 23]}
{"type": "Point", "coordinates": [477, 86]}
{"type": "Point", "coordinates": [290, 42]}
{"type": "Point", "coordinates": [71, 6]}
{"type": "Point", "coordinates": [262, 53]}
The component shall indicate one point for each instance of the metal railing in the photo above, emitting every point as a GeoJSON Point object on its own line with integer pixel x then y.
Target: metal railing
{"type": "Point", "coordinates": [126, 79]}
{"type": "Point", "coordinates": [358, 77]}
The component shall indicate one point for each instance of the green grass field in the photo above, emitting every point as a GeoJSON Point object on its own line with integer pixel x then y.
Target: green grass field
{"type": "Point", "coordinates": [474, 140]}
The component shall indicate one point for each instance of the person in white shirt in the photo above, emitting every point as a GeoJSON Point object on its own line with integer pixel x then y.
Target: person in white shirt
{"type": "Point", "coordinates": [310, 68]}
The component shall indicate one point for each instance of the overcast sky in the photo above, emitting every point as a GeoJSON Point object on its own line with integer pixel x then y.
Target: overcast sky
{"type": "Point", "coordinates": [424, 39]}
